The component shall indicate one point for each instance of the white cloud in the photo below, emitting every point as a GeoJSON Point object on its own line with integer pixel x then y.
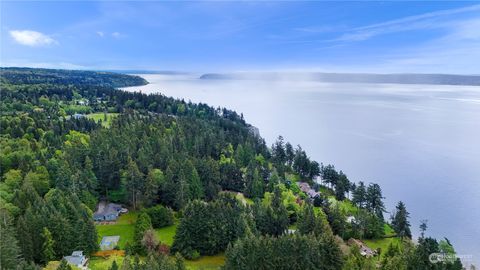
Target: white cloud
{"type": "Point", "coordinates": [31, 38]}
{"type": "Point", "coordinates": [117, 35]}
{"type": "Point", "coordinates": [100, 33]}
{"type": "Point", "coordinates": [430, 20]}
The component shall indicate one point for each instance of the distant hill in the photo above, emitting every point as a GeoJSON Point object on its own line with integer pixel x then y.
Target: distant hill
{"type": "Point", "coordinates": [440, 79]}
{"type": "Point", "coordinates": [23, 75]}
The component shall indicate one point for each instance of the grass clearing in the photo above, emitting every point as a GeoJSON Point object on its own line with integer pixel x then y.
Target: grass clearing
{"type": "Point", "coordinates": [99, 263]}
{"type": "Point", "coordinates": [124, 227]}
{"type": "Point", "coordinates": [207, 262]}
{"type": "Point", "coordinates": [101, 117]}
{"type": "Point", "coordinates": [381, 243]}
{"type": "Point", "coordinates": [166, 234]}
{"type": "Point", "coordinates": [389, 232]}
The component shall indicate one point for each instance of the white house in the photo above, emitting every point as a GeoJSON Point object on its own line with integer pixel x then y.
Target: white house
{"type": "Point", "coordinates": [77, 259]}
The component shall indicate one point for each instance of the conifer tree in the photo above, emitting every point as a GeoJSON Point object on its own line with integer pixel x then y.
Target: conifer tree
{"type": "Point", "coordinates": [400, 222]}
{"type": "Point", "coordinates": [114, 266]}
{"type": "Point", "coordinates": [359, 195]}
{"type": "Point", "coordinates": [134, 183]}
{"type": "Point", "coordinates": [195, 186]}
{"type": "Point", "coordinates": [309, 222]}
{"type": "Point", "coordinates": [47, 247]}
{"type": "Point", "coordinates": [9, 249]}
{"type": "Point", "coordinates": [141, 226]}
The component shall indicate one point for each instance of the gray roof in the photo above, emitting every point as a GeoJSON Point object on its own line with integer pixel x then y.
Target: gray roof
{"type": "Point", "coordinates": [76, 258]}
{"type": "Point", "coordinates": [77, 253]}
{"type": "Point", "coordinates": [305, 187]}
{"type": "Point", "coordinates": [107, 209]}
{"type": "Point", "coordinates": [78, 115]}
{"type": "Point", "coordinates": [109, 242]}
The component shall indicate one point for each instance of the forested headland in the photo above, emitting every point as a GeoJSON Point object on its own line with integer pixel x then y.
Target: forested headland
{"type": "Point", "coordinates": [199, 183]}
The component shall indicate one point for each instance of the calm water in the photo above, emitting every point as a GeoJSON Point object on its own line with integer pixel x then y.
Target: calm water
{"type": "Point", "coordinates": [421, 143]}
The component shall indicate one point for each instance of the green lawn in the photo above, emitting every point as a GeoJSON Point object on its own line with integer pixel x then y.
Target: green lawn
{"type": "Point", "coordinates": [124, 228]}
{"type": "Point", "coordinates": [203, 263]}
{"type": "Point", "coordinates": [207, 262]}
{"type": "Point", "coordinates": [389, 232]}
{"type": "Point", "coordinates": [166, 234]}
{"type": "Point", "coordinates": [381, 243]}
{"type": "Point", "coordinates": [98, 263]}
{"type": "Point", "coordinates": [101, 117]}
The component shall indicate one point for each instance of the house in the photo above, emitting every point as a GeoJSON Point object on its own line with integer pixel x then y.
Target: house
{"type": "Point", "coordinates": [77, 259]}
{"type": "Point", "coordinates": [364, 250]}
{"type": "Point", "coordinates": [108, 212]}
{"type": "Point", "coordinates": [305, 187]}
{"type": "Point", "coordinates": [109, 242]}
{"type": "Point", "coordinates": [78, 116]}
{"type": "Point", "coordinates": [83, 102]}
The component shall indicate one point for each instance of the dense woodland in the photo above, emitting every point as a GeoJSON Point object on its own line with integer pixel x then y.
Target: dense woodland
{"type": "Point", "coordinates": [168, 160]}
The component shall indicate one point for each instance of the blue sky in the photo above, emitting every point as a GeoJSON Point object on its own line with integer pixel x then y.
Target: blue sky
{"type": "Point", "coordinates": [354, 36]}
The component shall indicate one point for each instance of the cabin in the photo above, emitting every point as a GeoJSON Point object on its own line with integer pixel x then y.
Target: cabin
{"type": "Point", "coordinates": [108, 211]}
{"type": "Point", "coordinates": [364, 250]}
{"type": "Point", "coordinates": [109, 242]}
{"type": "Point", "coordinates": [77, 259]}
{"type": "Point", "coordinates": [305, 187]}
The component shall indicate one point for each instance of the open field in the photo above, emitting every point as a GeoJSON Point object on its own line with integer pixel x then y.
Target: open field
{"type": "Point", "coordinates": [381, 243]}
{"type": "Point", "coordinates": [101, 117]}
{"type": "Point", "coordinates": [99, 263]}
{"type": "Point", "coordinates": [125, 227]}
{"type": "Point", "coordinates": [166, 234]}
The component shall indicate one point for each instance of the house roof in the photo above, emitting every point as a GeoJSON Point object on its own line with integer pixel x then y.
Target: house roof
{"type": "Point", "coordinates": [105, 209]}
{"type": "Point", "coordinates": [77, 253]}
{"type": "Point", "coordinates": [77, 258]}
{"type": "Point", "coordinates": [305, 187]}
{"type": "Point", "coordinates": [109, 242]}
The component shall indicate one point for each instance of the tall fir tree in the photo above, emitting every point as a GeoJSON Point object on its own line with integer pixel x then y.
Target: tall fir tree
{"type": "Point", "coordinates": [141, 226]}
{"type": "Point", "coordinates": [400, 222]}
{"type": "Point", "coordinates": [9, 249]}
{"type": "Point", "coordinates": [359, 195]}
{"type": "Point", "coordinates": [47, 247]}
{"type": "Point", "coordinates": [134, 183]}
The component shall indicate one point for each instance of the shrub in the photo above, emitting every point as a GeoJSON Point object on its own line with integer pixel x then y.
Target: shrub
{"type": "Point", "coordinates": [161, 216]}
{"type": "Point", "coordinates": [192, 255]}
{"type": "Point", "coordinates": [164, 249]}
